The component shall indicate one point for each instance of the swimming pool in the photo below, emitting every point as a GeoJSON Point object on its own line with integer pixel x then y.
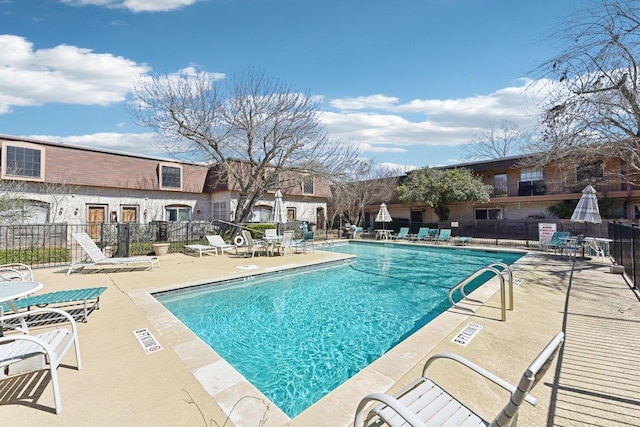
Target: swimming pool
{"type": "Point", "coordinates": [297, 336]}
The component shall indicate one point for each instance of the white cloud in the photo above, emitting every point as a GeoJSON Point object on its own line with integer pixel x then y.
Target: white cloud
{"type": "Point", "coordinates": [365, 102]}
{"type": "Point", "coordinates": [135, 5]}
{"type": "Point", "coordinates": [135, 143]}
{"type": "Point", "coordinates": [380, 123]}
{"type": "Point", "coordinates": [63, 74]}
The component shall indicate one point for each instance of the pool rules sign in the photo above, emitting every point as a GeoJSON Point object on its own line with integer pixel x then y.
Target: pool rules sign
{"type": "Point", "coordinates": [147, 340]}
{"type": "Point", "coordinates": [545, 231]}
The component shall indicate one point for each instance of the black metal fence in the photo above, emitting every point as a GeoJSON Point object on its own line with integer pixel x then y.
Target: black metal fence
{"type": "Point", "coordinates": [625, 249]}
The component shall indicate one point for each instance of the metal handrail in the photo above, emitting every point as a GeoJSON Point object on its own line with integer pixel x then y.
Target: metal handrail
{"type": "Point", "coordinates": [490, 268]}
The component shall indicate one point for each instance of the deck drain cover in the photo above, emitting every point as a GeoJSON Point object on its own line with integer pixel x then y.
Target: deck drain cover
{"type": "Point", "coordinates": [466, 335]}
{"type": "Point", "coordinates": [147, 340]}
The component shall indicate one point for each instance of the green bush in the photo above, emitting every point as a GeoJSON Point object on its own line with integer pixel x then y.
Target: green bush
{"type": "Point", "coordinates": [257, 230]}
{"type": "Point", "coordinates": [35, 256]}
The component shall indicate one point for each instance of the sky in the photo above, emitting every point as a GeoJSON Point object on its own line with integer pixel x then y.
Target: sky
{"type": "Point", "coordinates": [407, 81]}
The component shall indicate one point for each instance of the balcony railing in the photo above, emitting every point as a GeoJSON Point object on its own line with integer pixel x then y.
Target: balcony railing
{"type": "Point", "coordinates": [544, 187]}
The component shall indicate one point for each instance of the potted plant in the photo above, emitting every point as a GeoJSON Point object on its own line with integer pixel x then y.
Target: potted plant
{"type": "Point", "coordinates": [161, 248]}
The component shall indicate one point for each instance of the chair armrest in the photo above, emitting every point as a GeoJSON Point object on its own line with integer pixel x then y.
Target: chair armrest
{"type": "Point", "coordinates": [43, 310]}
{"type": "Point", "coordinates": [479, 370]}
{"type": "Point", "coordinates": [392, 403]}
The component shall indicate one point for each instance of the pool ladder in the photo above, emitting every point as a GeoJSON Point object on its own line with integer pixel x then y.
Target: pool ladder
{"type": "Point", "coordinates": [493, 268]}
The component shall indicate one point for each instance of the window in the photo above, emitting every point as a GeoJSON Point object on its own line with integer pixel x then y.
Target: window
{"type": "Point", "coordinates": [531, 175]}
{"type": "Point", "coordinates": [220, 210]}
{"type": "Point", "coordinates": [129, 213]}
{"type": "Point", "coordinates": [488, 213]}
{"type": "Point", "coordinates": [307, 185]}
{"type": "Point", "coordinates": [22, 161]}
{"type": "Point", "coordinates": [500, 184]}
{"type": "Point", "coordinates": [589, 171]}
{"type": "Point", "coordinates": [291, 214]}
{"type": "Point", "coordinates": [170, 177]}
{"type": "Point", "coordinates": [177, 213]}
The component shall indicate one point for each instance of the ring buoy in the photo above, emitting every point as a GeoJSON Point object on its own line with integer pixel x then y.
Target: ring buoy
{"type": "Point", "coordinates": [239, 241]}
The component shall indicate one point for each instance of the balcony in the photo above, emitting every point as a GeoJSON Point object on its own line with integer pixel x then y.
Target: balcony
{"type": "Point", "coordinates": [544, 187]}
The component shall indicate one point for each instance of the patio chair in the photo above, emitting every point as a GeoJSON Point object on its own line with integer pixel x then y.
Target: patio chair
{"type": "Point", "coordinates": [253, 245]}
{"type": "Point", "coordinates": [19, 350]}
{"type": "Point", "coordinates": [423, 232]}
{"type": "Point", "coordinates": [16, 271]}
{"type": "Point", "coordinates": [558, 241]}
{"type": "Point", "coordinates": [432, 234]}
{"type": "Point", "coordinates": [424, 403]}
{"type": "Point", "coordinates": [402, 233]}
{"type": "Point", "coordinates": [217, 242]}
{"type": "Point", "coordinates": [285, 243]}
{"type": "Point", "coordinates": [77, 302]}
{"type": "Point", "coordinates": [306, 243]}
{"type": "Point", "coordinates": [99, 258]}
{"type": "Point", "coordinates": [443, 236]}
{"type": "Point", "coordinates": [572, 246]}
{"type": "Point", "coordinates": [271, 233]}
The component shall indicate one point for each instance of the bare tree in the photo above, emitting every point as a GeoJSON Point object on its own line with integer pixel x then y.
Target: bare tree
{"type": "Point", "coordinates": [259, 132]}
{"type": "Point", "coordinates": [367, 184]}
{"type": "Point", "coordinates": [503, 140]}
{"type": "Point", "coordinates": [594, 109]}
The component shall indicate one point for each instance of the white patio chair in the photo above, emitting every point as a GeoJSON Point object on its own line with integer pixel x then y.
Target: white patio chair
{"type": "Point", "coordinates": [16, 271]}
{"type": "Point", "coordinates": [424, 403]}
{"type": "Point", "coordinates": [253, 245]}
{"type": "Point", "coordinates": [53, 345]}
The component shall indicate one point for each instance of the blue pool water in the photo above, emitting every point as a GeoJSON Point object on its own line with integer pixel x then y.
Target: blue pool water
{"type": "Point", "coordinates": [297, 336]}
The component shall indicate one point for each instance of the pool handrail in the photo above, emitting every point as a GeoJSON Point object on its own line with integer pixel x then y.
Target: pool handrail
{"type": "Point", "coordinates": [489, 268]}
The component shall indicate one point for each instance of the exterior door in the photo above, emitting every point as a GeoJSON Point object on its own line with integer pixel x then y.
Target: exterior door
{"type": "Point", "coordinates": [129, 214]}
{"type": "Point", "coordinates": [96, 219]}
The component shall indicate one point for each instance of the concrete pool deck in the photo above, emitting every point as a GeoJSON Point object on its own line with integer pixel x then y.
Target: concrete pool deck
{"type": "Point", "coordinates": [188, 385]}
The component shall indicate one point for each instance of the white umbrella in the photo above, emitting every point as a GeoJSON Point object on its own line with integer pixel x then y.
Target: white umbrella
{"type": "Point", "coordinates": [279, 211]}
{"type": "Point", "coordinates": [587, 209]}
{"type": "Point", "coordinates": [383, 215]}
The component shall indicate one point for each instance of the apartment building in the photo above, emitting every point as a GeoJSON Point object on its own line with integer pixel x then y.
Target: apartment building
{"type": "Point", "coordinates": [521, 192]}
{"type": "Point", "coordinates": [77, 185]}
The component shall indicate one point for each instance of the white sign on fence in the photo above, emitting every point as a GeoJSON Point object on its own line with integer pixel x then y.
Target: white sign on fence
{"type": "Point", "coordinates": [546, 230]}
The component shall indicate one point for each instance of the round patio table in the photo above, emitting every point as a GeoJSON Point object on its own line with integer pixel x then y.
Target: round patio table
{"type": "Point", "coordinates": [11, 291]}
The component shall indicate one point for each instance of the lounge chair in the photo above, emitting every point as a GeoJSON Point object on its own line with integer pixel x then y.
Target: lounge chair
{"type": "Point", "coordinates": [423, 232]}
{"type": "Point", "coordinates": [16, 271]}
{"type": "Point", "coordinates": [201, 249]}
{"type": "Point", "coordinates": [79, 302]}
{"type": "Point", "coordinates": [558, 241]}
{"type": "Point", "coordinates": [402, 233]}
{"type": "Point", "coordinates": [17, 348]}
{"type": "Point", "coordinates": [217, 242]}
{"type": "Point", "coordinates": [253, 245]}
{"type": "Point", "coordinates": [432, 234]}
{"type": "Point", "coordinates": [98, 258]}
{"type": "Point", "coordinates": [443, 236]}
{"type": "Point", "coordinates": [424, 403]}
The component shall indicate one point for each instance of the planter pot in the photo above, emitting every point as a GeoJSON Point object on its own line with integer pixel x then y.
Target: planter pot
{"type": "Point", "coordinates": [160, 248]}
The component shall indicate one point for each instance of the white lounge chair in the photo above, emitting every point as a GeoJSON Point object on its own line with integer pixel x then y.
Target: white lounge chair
{"type": "Point", "coordinates": [22, 349]}
{"type": "Point", "coordinates": [98, 258]}
{"type": "Point", "coordinates": [424, 403]}
{"type": "Point", "coordinates": [217, 242]}
{"type": "Point", "coordinates": [253, 244]}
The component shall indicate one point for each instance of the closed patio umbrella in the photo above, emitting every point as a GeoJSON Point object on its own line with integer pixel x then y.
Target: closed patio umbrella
{"type": "Point", "coordinates": [383, 215]}
{"type": "Point", "coordinates": [587, 210]}
{"type": "Point", "coordinates": [279, 211]}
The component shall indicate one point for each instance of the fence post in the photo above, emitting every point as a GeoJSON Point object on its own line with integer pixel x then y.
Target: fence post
{"type": "Point", "coordinates": [633, 255]}
{"type": "Point", "coordinates": [123, 240]}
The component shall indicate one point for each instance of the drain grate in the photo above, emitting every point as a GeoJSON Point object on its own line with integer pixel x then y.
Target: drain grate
{"type": "Point", "coordinates": [465, 336]}
{"type": "Point", "coordinates": [147, 340]}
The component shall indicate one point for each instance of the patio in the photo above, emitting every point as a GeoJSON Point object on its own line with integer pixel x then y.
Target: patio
{"type": "Point", "coordinates": [595, 384]}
